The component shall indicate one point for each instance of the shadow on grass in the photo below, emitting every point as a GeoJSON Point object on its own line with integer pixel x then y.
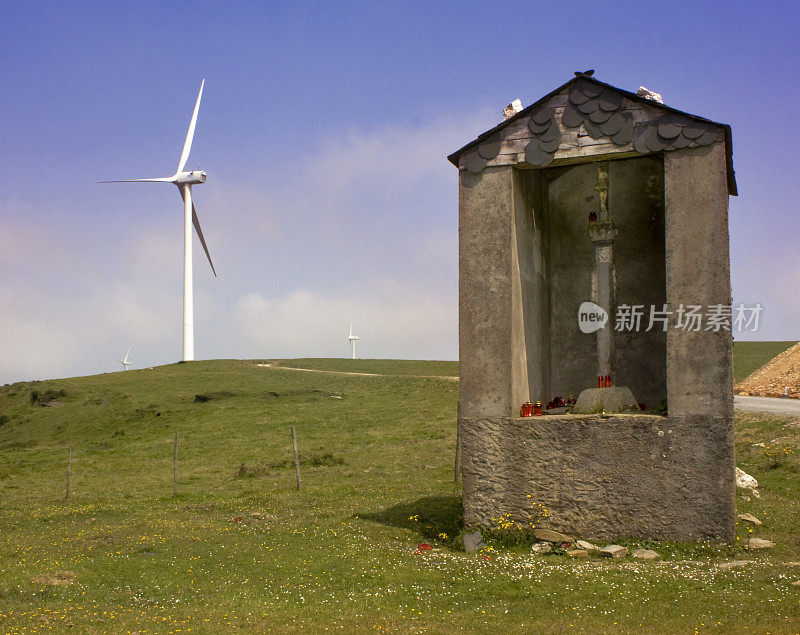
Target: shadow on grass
{"type": "Point", "coordinates": [429, 517]}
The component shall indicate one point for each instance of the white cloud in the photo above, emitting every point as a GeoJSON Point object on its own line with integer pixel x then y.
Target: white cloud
{"type": "Point", "coordinates": [392, 321]}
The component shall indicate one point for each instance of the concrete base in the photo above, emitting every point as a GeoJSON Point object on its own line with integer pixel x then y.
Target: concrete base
{"type": "Point", "coordinates": [603, 477]}
{"type": "Point", "coordinates": [609, 400]}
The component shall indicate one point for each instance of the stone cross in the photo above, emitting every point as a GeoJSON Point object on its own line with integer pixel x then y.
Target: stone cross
{"type": "Point", "coordinates": [602, 233]}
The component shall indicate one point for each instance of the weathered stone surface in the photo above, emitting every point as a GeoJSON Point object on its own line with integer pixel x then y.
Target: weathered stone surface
{"type": "Point", "coordinates": [625, 475]}
{"type": "Point", "coordinates": [759, 543]}
{"type": "Point", "coordinates": [549, 535]}
{"type": "Point", "coordinates": [578, 553]}
{"type": "Point", "coordinates": [473, 541]}
{"type": "Point", "coordinates": [542, 547]}
{"type": "Point", "coordinates": [645, 554]}
{"type": "Point", "coordinates": [796, 583]}
{"type": "Point", "coordinates": [699, 368]}
{"type": "Point", "coordinates": [610, 400]}
{"type": "Point", "coordinates": [586, 546]}
{"type": "Point", "coordinates": [750, 519]}
{"type": "Point", "coordinates": [613, 551]}
{"type": "Point", "coordinates": [485, 234]}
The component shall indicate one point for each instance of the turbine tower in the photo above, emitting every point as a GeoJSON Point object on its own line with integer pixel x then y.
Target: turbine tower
{"type": "Point", "coordinates": [352, 339]}
{"type": "Point", "coordinates": [184, 181]}
{"type": "Point", "coordinates": [125, 363]}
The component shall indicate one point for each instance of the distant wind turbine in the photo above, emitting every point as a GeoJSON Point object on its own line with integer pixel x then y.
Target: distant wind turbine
{"type": "Point", "coordinates": [352, 339]}
{"type": "Point", "coordinates": [125, 363]}
{"type": "Point", "coordinates": [184, 181]}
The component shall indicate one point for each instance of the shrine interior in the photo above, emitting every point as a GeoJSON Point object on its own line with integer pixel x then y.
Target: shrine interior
{"type": "Point", "coordinates": [555, 258]}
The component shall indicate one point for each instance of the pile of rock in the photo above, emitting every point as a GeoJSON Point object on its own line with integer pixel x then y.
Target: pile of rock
{"type": "Point", "coordinates": [549, 539]}
{"type": "Point", "coordinates": [782, 373]}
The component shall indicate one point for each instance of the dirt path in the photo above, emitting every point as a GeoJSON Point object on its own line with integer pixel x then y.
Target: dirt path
{"type": "Point", "coordinates": [342, 372]}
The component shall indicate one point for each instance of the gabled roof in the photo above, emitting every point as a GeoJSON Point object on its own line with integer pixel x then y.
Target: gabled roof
{"type": "Point", "coordinates": [527, 112]}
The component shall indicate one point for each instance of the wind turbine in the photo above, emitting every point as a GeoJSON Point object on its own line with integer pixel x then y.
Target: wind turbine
{"type": "Point", "coordinates": [352, 339]}
{"type": "Point", "coordinates": [184, 181]}
{"type": "Point", "coordinates": [125, 363]}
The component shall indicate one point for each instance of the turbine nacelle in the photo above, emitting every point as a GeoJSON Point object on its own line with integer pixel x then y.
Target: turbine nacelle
{"type": "Point", "coordinates": [196, 177]}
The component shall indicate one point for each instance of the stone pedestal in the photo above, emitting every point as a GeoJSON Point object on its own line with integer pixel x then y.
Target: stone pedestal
{"type": "Point", "coordinates": [606, 400]}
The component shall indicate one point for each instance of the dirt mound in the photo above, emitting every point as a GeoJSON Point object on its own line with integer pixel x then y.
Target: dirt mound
{"type": "Point", "coordinates": [772, 377]}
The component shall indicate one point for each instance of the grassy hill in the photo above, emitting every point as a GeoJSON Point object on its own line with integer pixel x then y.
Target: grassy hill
{"type": "Point", "coordinates": [240, 547]}
{"type": "Point", "coordinates": [750, 356]}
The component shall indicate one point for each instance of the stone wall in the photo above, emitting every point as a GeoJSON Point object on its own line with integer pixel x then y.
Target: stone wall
{"type": "Point", "coordinates": [699, 363]}
{"type": "Point", "coordinates": [603, 478]}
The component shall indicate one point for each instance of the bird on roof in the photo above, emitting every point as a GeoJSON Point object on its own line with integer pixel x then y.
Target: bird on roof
{"type": "Point", "coordinates": [588, 73]}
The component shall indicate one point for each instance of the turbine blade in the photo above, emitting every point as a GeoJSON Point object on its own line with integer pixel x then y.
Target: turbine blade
{"type": "Point", "coordinates": [128, 353]}
{"type": "Point", "coordinates": [196, 223]}
{"type": "Point", "coordinates": [168, 179]}
{"type": "Point", "coordinates": [187, 146]}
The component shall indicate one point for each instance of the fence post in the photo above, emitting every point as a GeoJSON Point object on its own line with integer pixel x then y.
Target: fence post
{"type": "Point", "coordinates": [296, 458]}
{"type": "Point", "coordinates": [175, 467]}
{"type": "Point", "coordinates": [69, 472]}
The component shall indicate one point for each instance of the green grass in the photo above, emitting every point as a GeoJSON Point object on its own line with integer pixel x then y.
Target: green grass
{"type": "Point", "coordinates": [241, 548]}
{"type": "Point", "coordinates": [750, 356]}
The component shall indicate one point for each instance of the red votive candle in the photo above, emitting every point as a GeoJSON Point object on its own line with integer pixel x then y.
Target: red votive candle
{"type": "Point", "coordinates": [526, 410]}
{"type": "Point", "coordinates": [537, 408]}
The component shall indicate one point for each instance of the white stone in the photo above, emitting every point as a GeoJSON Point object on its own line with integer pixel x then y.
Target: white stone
{"type": "Point", "coordinates": [548, 535]}
{"type": "Point", "coordinates": [473, 542]}
{"type": "Point", "coordinates": [512, 109]}
{"type": "Point", "coordinates": [578, 553]}
{"type": "Point", "coordinates": [744, 480]}
{"type": "Point", "coordinates": [759, 543]}
{"type": "Point", "coordinates": [649, 94]}
{"type": "Point", "coordinates": [645, 554]}
{"type": "Point", "coordinates": [750, 519]}
{"type": "Point", "coordinates": [587, 546]}
{"type": "Point", "coordinates": [613, 551]}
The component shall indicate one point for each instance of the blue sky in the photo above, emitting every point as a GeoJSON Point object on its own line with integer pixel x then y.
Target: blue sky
{"type": "Point", "coordinates": [324, 129]}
